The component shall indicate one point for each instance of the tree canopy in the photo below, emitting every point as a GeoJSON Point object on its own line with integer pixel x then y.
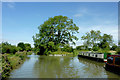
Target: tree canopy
{"type": "Point", "coordinates": [21, 46]}
{"type": "Point", "coordinates": [28, 47]}
{"type": "Point", "coordinates": [55, 32]}
{"type": "Point", "coordinates": [8, 48]}
{"type": "Point", "coordinates": [114, 47]}
{"type": "Point", "coordinates": [92, 38]}
{"type": "Point", "coordinates": [106, 41]}
{"type": "Point", "coordinates": [95, 40]}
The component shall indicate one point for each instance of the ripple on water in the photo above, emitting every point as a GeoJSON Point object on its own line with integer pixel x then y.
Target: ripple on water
{"type": "Point", "coordinates": [61, 67]}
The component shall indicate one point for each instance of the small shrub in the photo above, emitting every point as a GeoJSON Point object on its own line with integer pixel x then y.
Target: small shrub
{"type": "Point", "coordinates": [29, 53]}
{"type": "Point", "coordinates": [75, 52]}
{"type": "Point", "coordinates": [118, 50]}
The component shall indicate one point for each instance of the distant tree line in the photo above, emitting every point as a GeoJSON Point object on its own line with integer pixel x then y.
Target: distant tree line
{"type": "Point", "coordinates": [8, 48]}
{"type": "Point", "coordinates": [93, 40]}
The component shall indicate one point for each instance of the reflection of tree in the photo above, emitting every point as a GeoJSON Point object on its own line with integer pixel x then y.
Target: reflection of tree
{"type": "Point", "coordinates": [87, 61]}
{"type": "Point", "coordinates": [50, 66]}
{"type": "Point", "coordinates": [93, 68]}
{"type": "Point", "coordinates": [68, 67]}
{"type": "Point", "coordinates": [112, 75]}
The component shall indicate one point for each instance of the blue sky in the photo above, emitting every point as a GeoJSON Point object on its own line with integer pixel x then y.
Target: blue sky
{"type": "Point", "coordinates": [20, 20]}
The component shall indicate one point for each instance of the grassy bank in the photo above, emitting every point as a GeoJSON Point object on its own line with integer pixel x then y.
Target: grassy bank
{"type": "Point", "coordinates": [11, 61]}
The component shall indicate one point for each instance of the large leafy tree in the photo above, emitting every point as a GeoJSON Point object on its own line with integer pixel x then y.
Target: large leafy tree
{"type": "Point", "coordinates": [27, 47]}
{"type": "Point", "coordinates": [55, 32]}
{"type": "Point", "coordinates": [67, 48]}
{"type": "Point", "coordinates": [82, 47]}
{"type": "Point", "coordinates": [114, 47]}
{"type": "Point", "coordinates": [106, 41]}
{"type": "Point", "coordinates": [91, 38]}
{"type": "Point", "coordinates": [6, 47]}
{"type": "Point", "coordinates": [94, 40]}
{"type": "Point", "coordinates": [21, 46]}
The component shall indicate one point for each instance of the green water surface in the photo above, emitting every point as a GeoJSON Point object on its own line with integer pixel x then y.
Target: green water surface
{"type": "Point", "coordinates": [60, 67]}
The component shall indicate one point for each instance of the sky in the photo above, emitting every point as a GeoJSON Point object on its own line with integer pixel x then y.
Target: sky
{"type": "Point", "coordinates": [20, 20]}
{"type": "Point", "coordinates": [60, 0]}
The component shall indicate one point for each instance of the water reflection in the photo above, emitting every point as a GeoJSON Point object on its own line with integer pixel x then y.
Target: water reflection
{"type": "Point", "coordinates": [61, 67]}
{"type": "Point", "coordinates": [51, 67]}
{"type": "Point", "coordinates": [95, 69]}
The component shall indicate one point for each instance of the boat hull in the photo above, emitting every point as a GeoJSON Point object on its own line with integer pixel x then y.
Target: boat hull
{"type": "Point", "coordinates": [112, 68]}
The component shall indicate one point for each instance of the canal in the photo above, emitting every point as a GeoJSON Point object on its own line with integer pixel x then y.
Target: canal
{"type": "Point", "coordinates": [60, 67]}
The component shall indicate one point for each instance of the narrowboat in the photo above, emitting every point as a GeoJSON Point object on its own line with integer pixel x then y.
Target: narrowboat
{"type": "Point", "coordinates": [113, 63]}
{"type": "Point", "coordinates": [92, 56]}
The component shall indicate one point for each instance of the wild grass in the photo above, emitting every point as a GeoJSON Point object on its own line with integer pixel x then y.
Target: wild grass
{"type": "Point", "coordinates": [11, 61]}
{"type": "Point", "coordinates": [0, 64]}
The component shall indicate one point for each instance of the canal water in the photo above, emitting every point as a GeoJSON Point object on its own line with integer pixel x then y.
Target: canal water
{"type": "Point", "coordinates": [60, 67]}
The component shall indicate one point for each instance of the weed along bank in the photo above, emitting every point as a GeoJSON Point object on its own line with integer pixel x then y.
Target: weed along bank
{"type": "Point", "coordinates": [10, 62]}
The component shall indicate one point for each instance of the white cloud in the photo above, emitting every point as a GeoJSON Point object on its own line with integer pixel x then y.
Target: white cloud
{"type": "Point", "coordinates": [78, 15]}
{"type": "Point", "coordinates": [112, 30]}
{"type": "Point", "coordinates": [80, 12]}
{"type": "Point", "coordinates": [83, 11]}
{"type": "Point", "coordinates": [11, 4]}
{"type": "Point", "coordinates": [78, 43]}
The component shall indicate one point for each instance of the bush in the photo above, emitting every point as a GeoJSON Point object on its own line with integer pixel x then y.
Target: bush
{"type": "Point", "coordinates": [8, 48]}
{"type": "Point", "coordinates": [0, 63]}
{"type": "Point", "coordinates": [6, 67]}
{"type": "Point", "coordinates": [22, 46]}
{"type": "Point", "coordinates": [22, 55]}
{"type": "Point", "coordinates": [67, 48]}
{"type": "Point", "coordinates": [29, 53]}
{"type": "Point", "coordinates": [14, 61]}
{"type": "Point", "coordinates": [49, 52]}
{"type": "Point", "coordinates": [103, 51]}
{"type": "Point", "coordinates": [95, 48]}
{"type": "Point", "coordinates": [10, 61]}
{"type": "Point", "coordinates": [75, 52]}
{"type": "Point", "coordinates": [114, 47]}
{"type": "Point", "coordinates": [118, 50]}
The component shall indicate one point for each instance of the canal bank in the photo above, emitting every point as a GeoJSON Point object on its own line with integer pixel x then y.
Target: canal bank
{"type": "Point", "coordinates": [60, 67]}
{"type": "Point", "coordinates": [11, 61]}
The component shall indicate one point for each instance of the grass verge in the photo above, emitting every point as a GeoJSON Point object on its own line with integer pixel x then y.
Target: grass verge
{"type": "Point", "coordinates": [9, 62]}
